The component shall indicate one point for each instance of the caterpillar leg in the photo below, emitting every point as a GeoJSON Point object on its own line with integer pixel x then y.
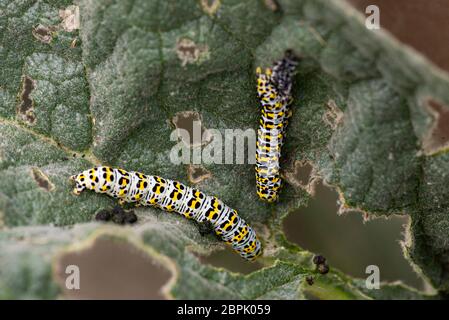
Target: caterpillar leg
{"type": "Point", "coordinates": [121, 202]}
{"type": "Point", "coordinates": [205, 228]}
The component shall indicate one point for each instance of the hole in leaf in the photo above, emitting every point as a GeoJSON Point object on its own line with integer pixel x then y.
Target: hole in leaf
{"type": "Point", "coordinates": [301, 175]}
{"type": "Point", "coordinates": [43, 33]}
{"type": "Point", "coordinates": [230, 260]}
{"type": "Point", "coordinates": [42, 180]}
{"type": "Point", "coordinates": [26, 107]}
{"type": "Point", "coordinates": [191, 131]}
{"type": "Point", "coordinates": [190, 52]}
{"type": "Point", "coordinates": [438, 136]}
{"type": "Point", "coordinates": [197, 173]}
{"type": "Point", "coordinates": [112, 269]}
{"type": "Point", "coordinates": [349, 244]}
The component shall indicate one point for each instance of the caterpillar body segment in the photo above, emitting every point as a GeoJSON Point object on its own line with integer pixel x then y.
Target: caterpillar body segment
{"type": "Point", "coordinates": [274, 93]}
{"type": "Point", "coordinates": [170, 195]}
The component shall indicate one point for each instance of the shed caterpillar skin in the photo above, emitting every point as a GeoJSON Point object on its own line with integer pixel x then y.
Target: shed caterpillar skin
{"type": "Point", "coordinates": [169, 195]}
{"type": "Point", "coordinates": [274, 93]}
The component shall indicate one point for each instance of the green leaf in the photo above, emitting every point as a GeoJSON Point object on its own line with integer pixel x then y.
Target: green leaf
{"type": "Point", "coordinates": [108, 92]}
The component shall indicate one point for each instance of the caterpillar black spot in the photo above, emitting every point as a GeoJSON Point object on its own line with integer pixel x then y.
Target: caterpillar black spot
{"type": "Point", "coordinates": [274, 92]}
{"type": "Point", "coordinates": [169, 195]}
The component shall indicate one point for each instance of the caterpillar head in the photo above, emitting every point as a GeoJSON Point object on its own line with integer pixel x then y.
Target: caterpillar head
{"type": "Point", "coordinates": [80, 183]}
{"type": "Point", "coordinates": [263, 81]}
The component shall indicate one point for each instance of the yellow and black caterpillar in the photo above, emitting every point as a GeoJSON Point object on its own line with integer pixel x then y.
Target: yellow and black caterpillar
{"type": "Point", "coordinates": [174, 196]}
{"type": "Point", "coordinates": [274, 92]}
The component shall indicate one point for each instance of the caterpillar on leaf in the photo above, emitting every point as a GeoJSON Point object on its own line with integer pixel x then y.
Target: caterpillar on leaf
{"type": "Point", "coordinates": [170, 195]}
{"type": "Point", "coordinates": [274, 92]}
